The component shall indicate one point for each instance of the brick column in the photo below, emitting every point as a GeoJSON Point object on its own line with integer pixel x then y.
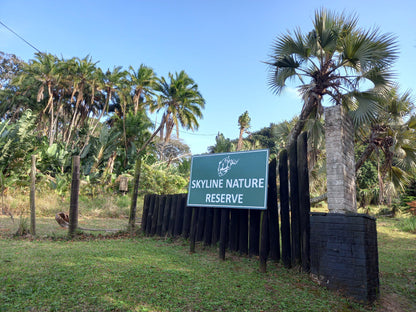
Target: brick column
{"type": "Point", "coordinates": [340, 163]}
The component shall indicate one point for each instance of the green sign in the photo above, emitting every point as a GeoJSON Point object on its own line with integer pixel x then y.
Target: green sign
{"type": "Point", "coordinates": [229, 180]}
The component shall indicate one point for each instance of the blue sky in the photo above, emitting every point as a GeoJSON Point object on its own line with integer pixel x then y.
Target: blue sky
{"type": "Point", "coordinates": [220, 44]}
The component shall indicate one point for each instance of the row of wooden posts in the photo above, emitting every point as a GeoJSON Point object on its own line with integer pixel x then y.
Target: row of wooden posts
{"type": "Point", "coordinates": [252, 232]}
{"type": "Point", "coordinates": [248, 232]}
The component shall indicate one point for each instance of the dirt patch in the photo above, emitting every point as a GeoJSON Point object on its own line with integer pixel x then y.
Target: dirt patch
{"type": "Point", "coordinates": [391, 302]}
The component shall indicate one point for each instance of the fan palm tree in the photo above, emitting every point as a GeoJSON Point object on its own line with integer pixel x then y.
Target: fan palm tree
{"type": "Point", "coordinates": [336, 59]}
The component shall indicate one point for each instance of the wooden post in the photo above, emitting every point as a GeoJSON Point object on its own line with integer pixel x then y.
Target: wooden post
{"type": "Point", "coordinates": [146, 204]}
{"type": "Point", "coordinates": [284, 209]}
{"type": "Point", "coordinates": [192, 234]}
{"type": "Point", "coordinates": [187, 218]}
{"type": "Point", "coordinates": [216, 226]}
{"type": "Point", "coordinates": [150, 214]}
{"type": "Point", "coordinates": [201, 224]}
{"type": "Point", "coordinates": [133, 206]}
{"type": "Point", "coordinates": [32, 196]}
{"type": "Point", "coordinates": [294, 204]}
{"type": "Point", "coordinates": [234, 223]}
{"type": "Point", "coordinates": [243, 232]}
{"type": "Point", "coordinates": [172, 216]}
{"type": "Point", "coordinates": [166, 214]}
{"type": "Point", "coordinates": [180, 210]}
{"type": "Point", "coordinates": [209, 219]}
{"type": "Point", "coordinates": [73, 206]}
{"type": "Point", "coordinates": [264, 242]}
{"type": "Point", "coordinates": [155, 215]}
{"type": "Point", "coordinates": [254, 235]}
{"type": "Point", "coordinates": [304, 201]}
{"type": "Point", "coordinates": [273, 213]}
{"type": "Point", "coordinates": [224, 232]}
{"type": "Point", "coordinates": [160, 215]}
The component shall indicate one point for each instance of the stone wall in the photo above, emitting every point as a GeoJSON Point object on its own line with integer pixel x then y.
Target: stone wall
{"type": "Point", "coordinates": [340, 163]}
{"type": "Point", "coordinates": [344, 254]}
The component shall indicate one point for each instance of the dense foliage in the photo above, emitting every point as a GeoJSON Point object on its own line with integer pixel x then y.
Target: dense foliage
{"type": "Point", "coordinates": [55, 108]}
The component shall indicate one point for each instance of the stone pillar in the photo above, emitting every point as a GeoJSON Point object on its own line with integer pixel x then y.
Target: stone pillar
{"type": "Point", "coordinates": [340, 163]}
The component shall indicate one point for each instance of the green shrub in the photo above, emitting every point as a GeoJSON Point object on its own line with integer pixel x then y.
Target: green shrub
{"type": "Point", "coordinates": [408, 225]}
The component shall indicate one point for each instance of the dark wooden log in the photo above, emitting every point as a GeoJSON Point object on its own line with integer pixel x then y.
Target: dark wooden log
{"type": "Point", "coordinates": [254, 235]}
{"type": "Point", "coordinates": [294, 204]}
{"type": "Point", "coordinates": [146, 204]}
{"type": "Point", "coordinates": [284, 209]}
{"type": "Point", "coordinates": [224, 232]}
{"type": "Point", "coordinates": [234, 234]}
{"type": "Point", "coordinates": [243, 232]}
{"type": "Point", "coordinates": [133, 205]}
{"type": "Point", "coordinates": [272, 209]}
{"type": "Point", "coordinates": [159, 225]}
{"type": "Point", "coordinates": [201, 224]}
{"type": "Point", "coordinates": [180, 209]}
{"type": "Point", "coordinates": [32, 196]}
{"type": "Point", "coordinates": [264, 241]}
{"type": "Point", "coordinates": [304, 201]}
{"type": "Point", "coordinates": [73, 206]}
{"type": "Point", "coordinates": [216, 226]}
{"type": "Point", "coordinates": [194, 225]}
{"type": "Point", "coordinates": [209, 219]}
{"type": "Point", "coordinates": [155, 215]}
{"type": "Point", "coordinates": [150, 214]}
{"type": "Point", "coordinates": [166, 215]}
{"type": "Point", "coordinates": [187, 218]}
{"type": "Point", "coordinates": [172, 217]}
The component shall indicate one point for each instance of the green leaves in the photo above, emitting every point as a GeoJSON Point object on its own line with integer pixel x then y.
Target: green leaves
{"type": "Point", "coordinates": [335, 59]}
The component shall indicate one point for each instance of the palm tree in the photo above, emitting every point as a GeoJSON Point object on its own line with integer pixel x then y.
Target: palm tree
{"type": "Point", "coordinates": [392, 133]}
{"type": "Point", "coordinates": [244, 124]}
{"type": "Point", "coordinates": [82, 73]}
{"type": "Point", "coordinates": [222, 145]}
{"type": "Point", "coordinates": [336, 59]}
{"type": "Point", "coordinates": [108, 83]}
{"type": "Point", "coordinates": [143, 81]}
{"type": "Point", "coordinates": [181, 102]}
{"type": "Point", "coordinates": [44, 68]}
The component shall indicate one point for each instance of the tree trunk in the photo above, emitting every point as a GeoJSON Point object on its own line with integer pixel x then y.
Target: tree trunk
{"type": "Point", "coordinates": [240, 139]}
{"type": "Point", "coordinates": [87, 140]}
{"type": "Point", "coordinates": [73, 121]}
{"type": "Point", "coordinates": [133, 207]}
{"type": "Point", "coordinates": [303, 117]}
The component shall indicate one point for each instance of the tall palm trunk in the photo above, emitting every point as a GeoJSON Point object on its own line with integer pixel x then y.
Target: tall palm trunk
{"type": "Point", "coordinates": [136, 100]}
{"type": "Point", "coordinates": [240, 139]}
{"type": "Point", "coordinates": [313, 101]}
{"type": "Point", "coordinates": [107, 102]}
{"type": "Point", "coordinates": [136, 181]}
{"type": "Point", "coordinates": [74, 117]}
{"type": "Point", "coordinates": [51, 112]}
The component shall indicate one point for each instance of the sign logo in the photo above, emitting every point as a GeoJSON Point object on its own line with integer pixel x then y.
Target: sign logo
{"type": "Point", "coordinates": [225, 165]}
{"type": "Point", "coordinates": [229, 180]}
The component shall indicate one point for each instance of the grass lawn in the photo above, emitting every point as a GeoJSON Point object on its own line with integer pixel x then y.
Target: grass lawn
{"type": "Point", "coordinates": [140, 273]}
